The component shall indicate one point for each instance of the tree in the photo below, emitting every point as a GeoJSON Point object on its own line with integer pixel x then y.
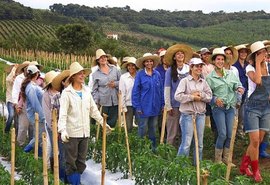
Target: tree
{"type": "Point", "coordinates": [74, 38]}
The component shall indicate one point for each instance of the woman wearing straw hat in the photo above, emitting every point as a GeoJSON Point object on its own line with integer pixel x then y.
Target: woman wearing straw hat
{"type": "Point", "coordinates": [126, 83]}
{"type": "Point", "coordinates": [256, 108]}
{"type": "Point", "coordinates": [148, 96]}
{"type": "Point", "coordinates": [105, 87]}
{"type": "Point", "coordinates": [47, 98]}
{"type": "Point", "coordinates": [193, 93]}
{"type": "Point", "coordinates": [32, 95]}
{"type": "Point", "coordinates": [177, 57]}
{"type": "Point", "coordinates": [59, 83]}
{"type": "Point", "coordinates": [224, 85]}
{"type": "Point", "coordinates": [76, 106]}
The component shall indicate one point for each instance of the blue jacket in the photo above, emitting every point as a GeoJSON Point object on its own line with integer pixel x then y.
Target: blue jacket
{"type": "Point", "coordinates": [34, 95]}
{"type": "Point", "coordinates": [147, 94]}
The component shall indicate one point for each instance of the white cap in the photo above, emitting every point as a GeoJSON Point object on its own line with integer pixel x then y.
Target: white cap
{"type": "Point", "coordinates": [32, 69]}
{"type": "Point", "coordinates": [195, 61]}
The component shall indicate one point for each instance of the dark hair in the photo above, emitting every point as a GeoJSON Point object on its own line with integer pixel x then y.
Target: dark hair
{"type": "Point", "coordinates": [25, 82]}
{"type": "Point", "coordinates": [174, 73]}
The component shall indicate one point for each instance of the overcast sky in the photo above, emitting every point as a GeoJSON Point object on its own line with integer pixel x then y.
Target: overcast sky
{"type": "Point", "coordinates": [205, 5]}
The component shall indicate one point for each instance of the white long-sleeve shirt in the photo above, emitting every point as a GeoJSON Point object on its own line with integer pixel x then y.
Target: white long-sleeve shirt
{"type": "Point", "coordinates": [126, 84]}
{"type": "Point", "coordinates": [75, 110]}
{"type": "Point", "coordinates": [17, 88]}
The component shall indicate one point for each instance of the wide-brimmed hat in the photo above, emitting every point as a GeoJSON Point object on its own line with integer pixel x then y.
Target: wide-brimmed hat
{"type": "Point", "coordinates": [8, 68]}
{"type": "Point", "coordinates": [57, 81]}
{"type": "Point", "coordinates": [187, 50]}
{"type": "Point", "coordinates": [99, 53]}
{"type": "Point", "coordinates": [40, 67]}
{"type": "Point", "coordinates": [234, 52]}
{"type": "Point", "coordinates": [242, 46]}
{"type": "Point", "coordinates": [147, 56]}
{"type": "Point", "coordinates": [131, 60]}
{"type": "Point", "coordinates": [49, 76]}
{"type": "Point", "coordinates": [20, 68]}
{"type": "Point", "coordinates": [266, 42]}
{"type": "Point", "coordinates": [218, 51]}
{"type": "Point", "coordinates": [256, 46]}
{"type": "Point", "coordinates": [76, 67]}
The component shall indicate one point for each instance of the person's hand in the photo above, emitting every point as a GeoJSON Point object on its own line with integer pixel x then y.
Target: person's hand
{"type": "Point", "coordinates": [260, 56]}
{"type": "Point", "coordinates": [124, 109]}
{"type": "Point", "coordinates": [111, 84]}
{"type": "Point", "coordinates": [139, 112]}
{"type": "Point", "coordinates": [18, 109]}
{"type": "Point", "coordinates": [64, 136]}
{"type": "Point", "coordinates": [108, 129]}
{"type": "Point", "coordinates": [170, 112]}
{"type": "Point", "coordinates": [196, 96]}
{"type": "Point", "coordinates": [240, 90]}
{"type": "Point", "coordinates": [219, 102]}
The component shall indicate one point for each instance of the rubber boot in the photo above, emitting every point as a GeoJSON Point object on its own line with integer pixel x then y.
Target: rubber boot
{"type": "Point", "coordinates": [40, 151]}
{"type": "Point", "coordinates": [28, 148]}
{"type": "Point", "coordinates": [256, 172]}
{"type": "Point", "coordinates": [244, 169]}
{"type": "Point", "coordinates": [225, 159]}
{"type": "Point", "coordinates": [218, 155]}
{"type": "Point", "coordinates": [74, 178]}
{"type": "Point", "coordinates": [263, 153]}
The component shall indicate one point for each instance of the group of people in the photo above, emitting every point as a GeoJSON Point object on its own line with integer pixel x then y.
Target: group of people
{"type": "Point", "coordinates": [222, 84]}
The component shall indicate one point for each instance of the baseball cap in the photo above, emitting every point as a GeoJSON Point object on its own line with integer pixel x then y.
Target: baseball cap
{"type": "Point", "coordinates": [204, 50]}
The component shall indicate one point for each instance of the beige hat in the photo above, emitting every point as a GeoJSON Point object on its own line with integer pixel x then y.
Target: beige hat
{"type": "Point", "coordinates": [174, 49]}
{"type": "Point", "coordinates": [100, 53]}
{"type": "Point", "coordinates": [256, 46]}
{"type": "Point", "coordinates": [20, 68]}
{"type": "Point", "coordinates": [75, 67]}
{"type": "Point", "coordinates": [49, 76]}
{"type": "Point", "coordinates": [234, 52]}
{"type": "Point", "coordinates": [8, 68]}
{"type": "Point", "coordinates": [218, 51]}
{"type": "Point", "coordinates": [131, 60]}
{"type": "Point", "coordinates": [162, 53]}
{"type": "Point", "coordinates": [112, 60]}
{"type": "Point", "coordinates": [147, 56]}
{"type": "Point", "coordinates": [57, 81]}
{"type": "Point", "coordinates": [40, 67]}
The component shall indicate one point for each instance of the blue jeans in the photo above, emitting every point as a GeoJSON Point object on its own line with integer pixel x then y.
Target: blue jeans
{"type": "Point", "coordinates": [151, 124]}
{"type": "Point", "coordinates": [224, 119]}
{"type": "Point", "coordinates": [10, 109]}
{"type": "Point", "coordinates": [186, 123]}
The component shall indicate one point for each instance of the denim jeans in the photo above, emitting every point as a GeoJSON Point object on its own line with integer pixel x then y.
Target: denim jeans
{"type": "Point", "coordinates": [10, 109]}
{"type": "Point", "coordinates": [224, 119]}
{"type": "Point", "coordinates": [186, 123]}
{"type": "Point", "coordinates": [149, 123]}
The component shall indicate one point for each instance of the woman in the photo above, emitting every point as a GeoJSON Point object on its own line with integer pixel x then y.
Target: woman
{"type": "Point", "coordinates": [76, 106]}
{"type": "Point", "coordinates": [256, 108]}
{"type": "Point", "coordinates": [47, 99]}
{"type": "Point", "coordinates": [224, 85]}
{"type": "Point", "coordinates": [148, 96]}
{"type": "Point", "coordinates": [125, 86]}
{"type": "Point", "coordinates": [32, 94]}
{"type": "Point", "coordinates": [105, 87]}
{"type": "Point", "coordinates": [177, 56]}
{"type": "Point", "coordinates": [193, 93]}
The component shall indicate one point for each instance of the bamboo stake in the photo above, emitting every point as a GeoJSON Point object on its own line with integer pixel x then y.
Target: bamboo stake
{"type": "Point", "coordinates": [13, 142]}
{"type": "Point", "coordinates": [163, 126]}
{"type": "Point", "coordinates": [36, 135]}
{"type": "Point", "coordinates": [197, 149]}
{"type": "Point", "coordinates": [97, 136]}
{"type": "Point", "coordinates": [105, 116]}
{"type": "Point", "coordinates": [127, 143]}
{"type": "Point", "coordinates": [229, 165]}
{"type": "Point", "coordinates": [119, 111]}
{"type": "Point", "coordinates": [44, 156]}
{"type": "Point", "coordinates": [3, 104]}
{"type": "Point", "coordinates": [205, 175]}
{"type": "Point", "coordinates": [55, 148]}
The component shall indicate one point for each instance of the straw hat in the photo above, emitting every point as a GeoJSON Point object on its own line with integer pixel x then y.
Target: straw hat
{"type": "Point", "coordinates": [99, 53]}
{"type": "Point", "coordinates": [8, 68]}
{"type": "Point", "coordinates": [112, 60]}
{"type": "Point", "coordinates": [147, 56]}
{"type": "Point", "coordinates": [218, 51]}
{"type": "Point", "coordinates": [242, 46]}
{"type": "Point", "coordinates": [174, 49]}
{"type": "Point", "coordinates": [40, 67]}
{"type": "Point", "coordinates": [131, 60]}
{"type": "Point", "coordinates": [20, 68]}
{"type": "Point", "coordinates": [234, 52]}
{"type": "Point", "coordinates": [57, 81]}
{"type": "Point", "coordinates": [75, 67]}
{"type": "Point", "coordinates": [256, 46]}
{"type": "Point", "coordinates": [49, 77]}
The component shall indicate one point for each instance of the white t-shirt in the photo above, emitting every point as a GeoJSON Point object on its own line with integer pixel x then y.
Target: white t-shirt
{"type": "Point", "coordinates": [251, 84]}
